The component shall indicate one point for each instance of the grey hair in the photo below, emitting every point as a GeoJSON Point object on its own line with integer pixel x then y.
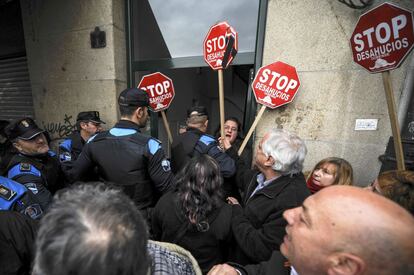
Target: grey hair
{"type": "Point", "coordinates": [91, 229]}
{"type": "Point", "coordinates": [287, 149]}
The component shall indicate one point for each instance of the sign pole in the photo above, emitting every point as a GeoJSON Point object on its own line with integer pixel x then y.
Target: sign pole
{"type": "Point", "coordinates": [167, 126]}
{"type": "Point", "coordinates": [256, 120]}
{"type": "Point", "coordinates": [386, 78]}
{"type": "Point", "coordinates": [221, 100]}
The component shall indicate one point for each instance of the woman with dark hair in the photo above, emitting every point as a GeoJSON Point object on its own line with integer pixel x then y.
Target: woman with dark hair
{"type": "Point", "coordinates": [195, 216]}
{"type": "Point", "coordinates": [233, 133]}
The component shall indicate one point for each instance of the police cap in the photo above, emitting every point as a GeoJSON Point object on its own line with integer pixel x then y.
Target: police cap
{"type": "Point", "coordinates": [197, 111]}
{"type": "Point", "coordinates": [89, 116]}
{"type": "Point", "coordinates": [23, 128]}
{"type": "Point", "coordinates": [133, 97]}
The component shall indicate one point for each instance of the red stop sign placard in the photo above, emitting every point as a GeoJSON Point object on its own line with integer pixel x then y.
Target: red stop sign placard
{"type": "Point", "coordinates": [382, 38]}
{"type": "Point", "coordinates": [276, 84]}
{"type": "Point", "coordinates": [160, 90]}
{"type": "Point", "coordinates": [214, 44]}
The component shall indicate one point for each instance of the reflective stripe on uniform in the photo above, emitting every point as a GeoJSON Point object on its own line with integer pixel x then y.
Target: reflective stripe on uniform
{"type": "Point", "coordinates": [119, 132]}
{"type": "Point", "coordinates": [206, 139]}
{"type": "Point", "coordinates": [15, 171]}
{"type": "Point", "coordinates": [153, 146]}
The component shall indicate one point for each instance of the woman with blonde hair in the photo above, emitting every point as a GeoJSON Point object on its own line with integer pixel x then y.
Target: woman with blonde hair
{"type": "Point", "coordinates": [330, 171]}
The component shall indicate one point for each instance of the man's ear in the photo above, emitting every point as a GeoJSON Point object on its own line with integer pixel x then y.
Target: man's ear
{"type": "Point", "coordinates": [139, 112]}
{"type": "Point", "coordinates": [206, 123]}
{"type": "Point", "coordinates": [270, 161]}
{"type": "Point", "coordinates": [345, 264]}
{"type": "Point", "coordinates": [17, 146]}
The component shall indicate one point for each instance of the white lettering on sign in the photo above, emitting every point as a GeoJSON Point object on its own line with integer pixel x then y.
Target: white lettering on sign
{"type": "Point", "coordinates": [158, 88]}
{"type": "Point", "coordinates": [160, 98]}
{"type": "Point", "coordinates": [383, 32]}
{"type": "Point", "coordinates": [282, 82]}
{"type": "Point", "coordinates": [216, 43]}
{"type": "Point", "coordinates": [383, 50]}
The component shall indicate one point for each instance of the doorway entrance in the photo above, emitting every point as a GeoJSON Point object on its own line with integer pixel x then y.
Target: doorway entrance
{"type": "Point", "coordinates": [167, 36]}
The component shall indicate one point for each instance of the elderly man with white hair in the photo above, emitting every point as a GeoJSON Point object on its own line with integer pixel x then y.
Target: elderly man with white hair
{"type": "Point", "coordinates": [276, 184]}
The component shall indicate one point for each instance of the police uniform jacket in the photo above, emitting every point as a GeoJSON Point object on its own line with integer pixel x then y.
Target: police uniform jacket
{"type": "Point", "coordinates": [39, 174]}
{"type": "Point", "coordinates": [71, 147]}
{"type": "Point", "coordinates": [194, 143]}
{"type": "Point", "coordinates": [129, 159]}
{"type": "Point", "coordinates": [259, 227]}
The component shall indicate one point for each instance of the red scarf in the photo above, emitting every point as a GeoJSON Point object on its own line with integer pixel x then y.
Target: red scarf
{"type": "Point", "coordinates": [313, 188]}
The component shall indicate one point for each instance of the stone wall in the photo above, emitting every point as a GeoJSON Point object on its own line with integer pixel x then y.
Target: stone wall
{"type": "Point", "coordinates": [314, 37]}
{"type": "Point", "coordinates": [67, 75]}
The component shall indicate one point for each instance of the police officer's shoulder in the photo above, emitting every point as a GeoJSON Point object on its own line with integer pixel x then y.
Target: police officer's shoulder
{"type": "Point", "coordinates": [66, 144]}
{"type": "Point", "coordinates": [207, 139]}
{"type": "Point", "coordinates": [92, 138]}
{"type": "Point", "coordinates": [23, 168]}
{"type": "Point", "coordinates": [153, 145]}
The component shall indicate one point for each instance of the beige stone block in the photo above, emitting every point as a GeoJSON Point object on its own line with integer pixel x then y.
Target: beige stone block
{"type": "Point", "coordinates": [318, 150]}
{"type": "Point", "coordinates": [69, 57]}
{"type": "Point", "coordinates": [119, 48]}
{"type": "Point", "coordinates": [55, 101]}
{"type": "Point", "coordinates": [308, 34]}
{"type": "Point", "coordinates": [57, 16]}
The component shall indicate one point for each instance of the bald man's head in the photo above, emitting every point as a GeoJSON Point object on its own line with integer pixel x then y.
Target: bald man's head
{"type": "Point", "coordinates": [347, 229]}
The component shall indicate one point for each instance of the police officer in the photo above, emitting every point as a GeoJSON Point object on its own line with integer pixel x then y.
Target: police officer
{"type": "Point", "coordinates": [126, 157]}
{"type": "Point", "coordinates": [194, 141]}
{"type": "Point", "coordinates": [35, 165]}
{"type": "Point", "coordinates": [87, 124]}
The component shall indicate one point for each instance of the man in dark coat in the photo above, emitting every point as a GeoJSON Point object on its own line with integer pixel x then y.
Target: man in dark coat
{"type": "Point", "coordinates": [195, 142]}
{"type": "Point", "coordinates": [276, 185]}
{"type": "Point", "coordinates": [35, 165]}
{"type": "Point", "coordinates": [87, 124]}
{"type": "Point", "coordinates": [126, 157]}
{"type": "Point", "coordinates": [340, 230]}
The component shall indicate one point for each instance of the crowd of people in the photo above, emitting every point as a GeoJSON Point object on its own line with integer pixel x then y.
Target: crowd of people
{"type": "Point", "coordinates": [110, 202]}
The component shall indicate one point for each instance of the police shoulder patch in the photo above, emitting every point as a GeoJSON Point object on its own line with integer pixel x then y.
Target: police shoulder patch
{"type": "Point", "coordinates": [25, 166]}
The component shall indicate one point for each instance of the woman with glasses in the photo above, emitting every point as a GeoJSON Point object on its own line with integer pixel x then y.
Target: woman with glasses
{"type": "Point", "coordinates": [330, 171]}
{"type": "Point", "coordinates": [398, 186]}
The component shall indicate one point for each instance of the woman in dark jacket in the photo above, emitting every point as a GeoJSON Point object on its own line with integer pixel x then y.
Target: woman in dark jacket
{"type": "Point", "coordinates": [195, 216]}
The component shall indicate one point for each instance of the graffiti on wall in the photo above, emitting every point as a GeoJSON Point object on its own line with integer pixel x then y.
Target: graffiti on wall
{"type": "Point", "coordinates": [60, 129]}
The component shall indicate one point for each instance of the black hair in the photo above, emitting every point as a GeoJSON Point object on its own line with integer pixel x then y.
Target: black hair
{"type": "Point", "coordinates": [199, 189]}
{"type": "Point", "coordinates": [127, 111]}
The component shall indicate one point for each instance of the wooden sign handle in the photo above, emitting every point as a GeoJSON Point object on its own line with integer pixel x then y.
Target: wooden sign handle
{"type": "Point", "coordinates": [386, 78]}
{"type": "Point", "coordinates": [256, 120]}
{"type": "Point", "coordinates": [167, 126]}
{"type": "Point", "coordinates": [221, 101]}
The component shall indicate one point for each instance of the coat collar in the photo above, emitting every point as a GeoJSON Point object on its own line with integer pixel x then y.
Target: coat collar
{"type": "Point", "coordinates": [127, 124]}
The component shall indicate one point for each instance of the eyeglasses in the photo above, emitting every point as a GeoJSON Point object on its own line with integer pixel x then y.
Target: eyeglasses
{"type": "Point", "coordinates": [374, 187]}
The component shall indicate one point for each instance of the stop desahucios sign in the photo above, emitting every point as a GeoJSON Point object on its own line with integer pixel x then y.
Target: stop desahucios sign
{"type": "Point", "coordinates": [382, 38]}
{"type": "Point", "coordinates": [215, 43]}
{"type": "Point", "coordinates": [276, 84]}
{"type": "Point", "coordinates": [160, 90]}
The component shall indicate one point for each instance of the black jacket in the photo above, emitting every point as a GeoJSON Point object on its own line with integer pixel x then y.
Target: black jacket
{"type": "Point", "coordinates": [277, 265]}
{"type": "Point", "coordinates": [193, 143]}
{"type": "Point", "coordinates": [131, 160]}
{"type": "Point", "coordinates": [42, 175]}
{"type": "Point", "coordinates": [71, 147]}
{"type": "Point", "coordinates": [210, 247]}
{"type": "Point", "coordinates": [259, 227]}
{"type": "Point", "coordinates": [17, 236]}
